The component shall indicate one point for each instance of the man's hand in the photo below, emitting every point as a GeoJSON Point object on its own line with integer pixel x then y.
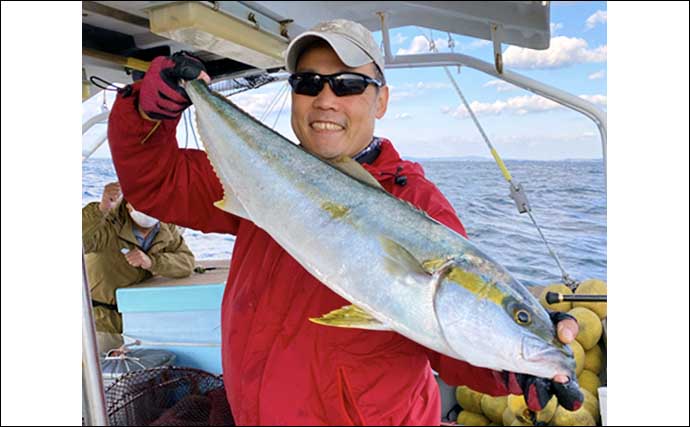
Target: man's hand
{"type": "Point", "coordinates": [566, 330]}
{"type": "Point", "coordinates": [137, 258]}
{"type": "Point", "coordinates": [161, 96]}
{"type": "Point", "coordinates": [538, 391]}
{"type": "Point", "coordinates": [111, 195]}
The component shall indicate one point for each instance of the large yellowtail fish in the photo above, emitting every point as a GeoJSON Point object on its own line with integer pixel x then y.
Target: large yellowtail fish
{"type": "Point", "coordinates": [422, 279]}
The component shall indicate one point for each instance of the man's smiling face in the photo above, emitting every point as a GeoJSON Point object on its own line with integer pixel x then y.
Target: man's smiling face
{"type": "Point", "coordinates": [330, 126]}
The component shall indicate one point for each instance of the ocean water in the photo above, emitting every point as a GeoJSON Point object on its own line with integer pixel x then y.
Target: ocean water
{"type": "Point", "coordinates": [568, 200]}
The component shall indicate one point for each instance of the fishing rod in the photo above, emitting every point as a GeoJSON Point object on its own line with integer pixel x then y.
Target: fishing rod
{"type": "Point", "coordinates": [556, 297]}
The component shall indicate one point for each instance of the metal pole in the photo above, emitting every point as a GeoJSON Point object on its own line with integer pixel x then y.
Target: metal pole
{"type": "Point", "coordinates": [92, 380]}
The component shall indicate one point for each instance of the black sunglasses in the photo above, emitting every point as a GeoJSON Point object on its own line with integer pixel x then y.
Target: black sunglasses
{"type": "Point", "coordinates": [342, 84]}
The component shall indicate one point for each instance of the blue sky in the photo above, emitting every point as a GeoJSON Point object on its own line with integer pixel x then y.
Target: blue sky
{"type": "Point", "coordinates": [424, 117]}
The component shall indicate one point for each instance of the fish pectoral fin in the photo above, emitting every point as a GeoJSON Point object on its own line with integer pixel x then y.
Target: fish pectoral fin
{"type": "Point", "coordinates": [350, 316]}
{"type": "Point", "coordinates": [399, 260]}
{"type": "Point", "coordinates": [350, 167]}
{"type": "Point", "coordinates": [232, 205]}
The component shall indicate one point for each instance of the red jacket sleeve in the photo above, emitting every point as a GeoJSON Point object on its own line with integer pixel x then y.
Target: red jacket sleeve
{"type": "Point", "coordinates": [454, 372]}
{"type": "Point", "coordinates": [172, 184]}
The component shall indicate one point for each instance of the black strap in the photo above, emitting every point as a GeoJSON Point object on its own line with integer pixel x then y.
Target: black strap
{"type": "Point", "coordinates": [370, 152]}
{"type": "Point", "coordinates": [104, 305]}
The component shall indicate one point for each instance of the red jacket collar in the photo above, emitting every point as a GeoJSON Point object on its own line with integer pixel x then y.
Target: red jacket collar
{"type": "Point", "coordinates": [387, 163]}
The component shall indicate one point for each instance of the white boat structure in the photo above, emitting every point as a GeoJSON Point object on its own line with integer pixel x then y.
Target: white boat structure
{"type": "Point", "coordinates": [242, 45]}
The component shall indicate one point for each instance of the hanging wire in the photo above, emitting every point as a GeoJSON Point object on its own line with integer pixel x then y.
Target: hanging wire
{"type": "Point", "coordinates": [285, 98]}
{"type": "Point", "coordinates": [186, 129]}
{"type": "Point", "coordinates": [517, 193]}
{"type": "Point", "coordinates": [237, 85]}
{"type": "Point", "coordinates": [187, 116]}
{"type": "Point", "coordinates": [104, 105]}
{"type": "Point", "coordinates": [270, 105]}
{"type": "Point", "coordinates": [191, 125]}
{"type": "Point", "coordinates": [97, 81]}
{"type": "Point", "coordinates": [274, 101]}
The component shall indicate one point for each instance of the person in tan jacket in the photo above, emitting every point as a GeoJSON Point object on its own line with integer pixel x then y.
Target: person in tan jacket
{"type": "Point", "coordinates": [123, 247]}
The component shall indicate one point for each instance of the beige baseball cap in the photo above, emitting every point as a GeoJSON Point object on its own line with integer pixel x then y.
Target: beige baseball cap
{"type": "Point", "coordinates": [352, 42]}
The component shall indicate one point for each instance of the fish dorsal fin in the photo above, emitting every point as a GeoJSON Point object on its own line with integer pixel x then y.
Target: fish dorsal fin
{"type": "Point", "coordinates": [350, 316]}
{"type": "Point", "coordinates": [355, 170]}
{"type": "Point", "coordinates": [231, 204]}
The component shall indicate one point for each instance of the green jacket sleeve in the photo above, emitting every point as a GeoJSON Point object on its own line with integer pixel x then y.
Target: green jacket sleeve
{"type": "Point", "coordinates": [176, 260]}
{"type": "Point", "coordinates": [96, 232]}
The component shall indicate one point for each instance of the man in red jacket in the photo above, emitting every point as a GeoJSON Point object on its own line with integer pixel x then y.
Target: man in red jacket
{"type": "Point", "coordinates": [280, 368]}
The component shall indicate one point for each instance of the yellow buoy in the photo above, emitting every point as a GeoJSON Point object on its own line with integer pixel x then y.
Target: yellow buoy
{"type": "Point", "coordinates": [590, 327]}
{"type": "Point", "coordinates": [469, 399]}
{"type": "Point", "coordinates": [520, 423]}
{"type": "Point", "coordinates": [593, 359]}
{"type": "Point", "coordinates": [591, 404]}
{"type": "Point", "coordinates": [508, 417]}
{"type": "Point", "coordinates": [589, 381]}
{"type": "Point", "coordinates": [563, 417]}
{"type": "Point", "coordinates": [517, 404]}
{"type": "Point", "coordinates": [467, 418]}
{"type": "Point", "coordinates": [579, 354]}
{"type": "Point", "coordinates": [493, 407]}
{"type": "Point", "coordinates": [545, 415]}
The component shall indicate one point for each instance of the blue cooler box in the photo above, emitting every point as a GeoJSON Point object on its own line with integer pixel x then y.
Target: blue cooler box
{"type": "Point", "coordinates": [183, 319]}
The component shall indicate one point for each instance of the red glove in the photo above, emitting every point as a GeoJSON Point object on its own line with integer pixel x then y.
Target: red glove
{"type": "Point", "coordinates": [161, 96]}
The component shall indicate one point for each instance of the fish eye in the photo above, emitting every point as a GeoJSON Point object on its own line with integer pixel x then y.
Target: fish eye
{"type": "Point", "coordinates": [522, 317]}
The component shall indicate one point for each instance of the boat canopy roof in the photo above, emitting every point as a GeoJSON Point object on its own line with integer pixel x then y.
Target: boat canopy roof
{"type": "Point", "coordinates": [142, 29]}
{"type": "Point", "coordinates": [524, 23]}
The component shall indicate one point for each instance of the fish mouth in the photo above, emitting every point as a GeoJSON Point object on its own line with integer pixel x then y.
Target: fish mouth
{"type": "Point", "coordinates": [556, 355]}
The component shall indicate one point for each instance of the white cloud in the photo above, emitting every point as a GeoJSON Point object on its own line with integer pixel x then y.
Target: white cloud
{"type": "Point", "coordinates": [256, 104]}
{"type": "Point", "coordinates": [499, 85]}
{"type": "Point", "coordinates": [519, 105]}
{"type": "Point", "coordinates": [432, 85]}
{"type": "Point", "coordinates": [598, 75]}
{"type": "Point", "coordinates": [413, 90]}
{"type": "Point", "coordinates": [479, 43]}
{"type": "Point", "coordinates": [421, 45]}
{"type": "Point", "coordinates": [397, 95]}
{"type": "Point", "coordinates": [402, 116]}
{"type": "Point", "coordinates": [418, 45]}
{"type": "Point", "coordinates": [599, 17]}
{"type": "Point", "coordinates": [595, 99]}
{"type": "Point", "coordinates": [564, 51]}
{"type": "Point", "coordinates": [398, 38]}
{"type": "Point", "coordinates": [555, 26]}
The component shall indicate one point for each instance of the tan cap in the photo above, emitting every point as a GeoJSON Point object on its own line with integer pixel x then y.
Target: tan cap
{"type": "Point", "coordinates": [352, 42]}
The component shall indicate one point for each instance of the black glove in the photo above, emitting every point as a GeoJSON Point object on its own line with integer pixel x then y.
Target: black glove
{"type": "Point", "coordinates": [538, 391]}
{"type": "Point", "coordinates": [161, 96]}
